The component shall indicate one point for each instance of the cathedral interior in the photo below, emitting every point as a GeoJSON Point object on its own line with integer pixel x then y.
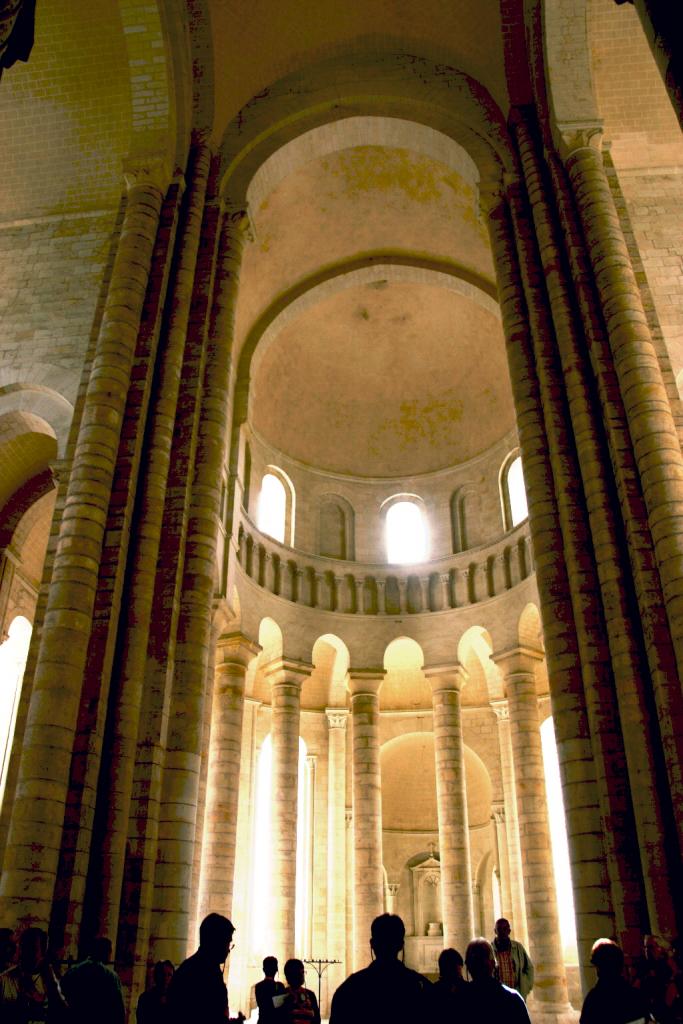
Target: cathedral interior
{"type": "Point", "coordinates": [290, 293]}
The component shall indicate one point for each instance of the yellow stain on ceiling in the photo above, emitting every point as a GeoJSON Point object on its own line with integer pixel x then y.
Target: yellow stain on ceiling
{"type": "Point", "coordinates": [380, 169]}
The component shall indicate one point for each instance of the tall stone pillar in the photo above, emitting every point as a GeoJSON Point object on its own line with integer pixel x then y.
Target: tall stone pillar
{"type": "Point", "coordinates": [551, 1002]}
{"type": "Point", "coordinates": [502, 863]}
{"type": "Point", "coordinates": [653, 432]}
{"type": "Point", "coordinates": [513, 851]}
{"type": "Point", "coordinates": [368, 879]}
{"type": "Point", "coordinates": [182, 760]}
{"type": "Point", "coordinates": [43, 776]}
{"type": "Point", "coordinates": [451, 795]}
{"type": "Point", "coordinates": [336, 844]}
{"type": "Point", "coordinates": [287, 680]}
{"type": "Point", "coordinates": [234, 653]}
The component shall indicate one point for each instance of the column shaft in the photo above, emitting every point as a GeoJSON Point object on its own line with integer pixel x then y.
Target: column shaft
{"type": "Point", "coordinates": [220, 828]}
{"type": "Point", "coordinates": [367, 811]}
{"type": "Point", "coordinates": [550, 986]}
{"type": "Point", "coordinates": [286, 710]}
{"type": "Point", "coordinates": [451, 796]}
{"type": "Point", "coordinates": [48, 739]}
{"type": "Point", "coordinates": [584, 828]}
{"type": "Point", "coordinates": [514, 849]}
{"type": "Point", "coordinates": [336, 844]}
{"type": "Point", "coordinates": [183, 747]}
{"type": "Point", "coordinates": [130, 671]}
{"type": "Point", "coordinates": [651, 424]}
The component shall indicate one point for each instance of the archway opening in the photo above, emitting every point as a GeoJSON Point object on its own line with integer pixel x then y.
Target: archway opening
{"type": "Point", "coordinates": [13, 654]}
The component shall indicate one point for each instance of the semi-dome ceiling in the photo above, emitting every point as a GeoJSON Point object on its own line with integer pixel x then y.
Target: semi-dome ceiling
{"type": "Point", "coordinates": [385, 378]}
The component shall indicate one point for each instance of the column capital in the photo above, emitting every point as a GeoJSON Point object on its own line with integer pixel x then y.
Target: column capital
{"type": "Point", "coordinates": [518, 660]}
{"type": "Point", "coordinates": [501, 709]}
{"type": "Point", "coordinates": [575, 135]}
{"type": "Point", "coordinates": [337, 717]}
{"type": "Point", "coordinates": [446, 677]}
{"type": "Point", "coordinates": [238, 217]}
{"type": "Point", "coordinates": [235, 649]}
{"type": "Point", "coordinates": [152, 169]}
{"type": "Point", "coordinates": [365, 680]}
{"type": "Point", "coordinates": [393, 888]}
{"type": "Point", "coordinates": [491, 194]}
{"type": "Point", "coordinates": [498, 812]}
{"type": "Point", "coordinates": [288, 670]}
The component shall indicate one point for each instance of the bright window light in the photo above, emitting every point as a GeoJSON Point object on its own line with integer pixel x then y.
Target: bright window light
{"type": "Point", "coordinates": [519, 510]}
{"type": "Point", "coordinates": [13, 654]}
{"type": "Point", "coordinates": [558, 840]}
{"type": "Point", "coordinates": [406, 533]}
{"type": "Point", "coordinates": [272, 508]}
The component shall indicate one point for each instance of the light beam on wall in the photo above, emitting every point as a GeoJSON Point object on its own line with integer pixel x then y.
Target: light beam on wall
{"type": "Point", "coordinates": [558, 838]}
{"type": "Point", "coordinates": [13, 654]}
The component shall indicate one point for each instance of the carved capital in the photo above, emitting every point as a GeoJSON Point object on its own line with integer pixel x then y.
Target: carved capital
{"type": "Point", "coordinates": [491, 194]}
{"type": "Point", "coordinates": [237, 217]}
{"type": "Point", "coordinates": [517, 660]}
{"type": "Point", "coordinates": [446, 677]}
{"type": "Point", "coordinates": [501, 709]}
{"type": "Point", "coordinates": [153, 170]}
{"type": "Point", "coordinates": [235, 649]}
{"type": "Point", "coordinates": [365, 680]}
{"type": "Point", "coordinates": [498, 813]}
{"type": "Point", "coordinates": [575, 135]}
{"type": "Point", "coordinates": [337, 717]}
{"type": "Point", "coordinates": [288, 671]}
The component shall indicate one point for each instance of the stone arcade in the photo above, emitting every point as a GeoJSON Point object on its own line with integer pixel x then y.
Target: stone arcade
{"type": "Point", "coordinates": [287, 288]}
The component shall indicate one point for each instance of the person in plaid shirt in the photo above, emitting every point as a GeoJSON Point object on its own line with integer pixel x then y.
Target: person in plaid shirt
{"type": "Point", "coordinates": [515, 968]}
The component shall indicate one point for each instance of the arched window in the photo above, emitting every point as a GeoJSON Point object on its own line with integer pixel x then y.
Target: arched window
{"type": "Point", "coordinates": [513, 492]}
{"type": "Point", "coordinates": [406, 532]}
{"type": "Point", "coordinates": [276, 506]}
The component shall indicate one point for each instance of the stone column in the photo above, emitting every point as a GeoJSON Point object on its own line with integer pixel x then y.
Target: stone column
{"type": "Point", "coordinates": [127, 684]}
{"type": "Point", "coordinates": [234, 652]}
{"type": "Point", "coordinates": [392, 897]}
{"type": "Point", "coordinates": [287, 680]}
{"type": "Point", "coordinates": [503, 865]}
{"type": "Point", "coordinates": [336, 843]}
{"type": "Point", "coordinates": [364, 686]}
{"type": "Point", "coordinates": [182, 760]}
{"type": "Point", "coordinates": [44, 767]}
{"type": "Point", "coordinates": [652, 428]}
{"type": "Point", "coordinates": [451, 796]}
{"type": "Point", "coordinates": [513, 850]}
{"type": "Point", "coordinates": [551, 1002]}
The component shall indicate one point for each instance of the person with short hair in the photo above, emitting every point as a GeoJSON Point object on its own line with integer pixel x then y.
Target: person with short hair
{"type": "Point", "coordinates": [29, 990]}
{"type": "Point", "coordinates": [92, 988]}
{"type": "Point", "coordinates": [612, 1000]}
{"type": "Point", "coordinates": [267, 990]}
{"type": "Point", "coordinates": [152, 1005]}
{"type": "Point", "coordinates": [386, 990]}
{"type": "Point", "coordinates": [197, 991]}
{"type": "Point", "coordinates": [515, 968]}
{"type": "Point", "coordinates": [446, 993]}
{"type": "Point", "coordinates": [299, 1005]}
{"type": "Point", "coordinates": [487, 1000]}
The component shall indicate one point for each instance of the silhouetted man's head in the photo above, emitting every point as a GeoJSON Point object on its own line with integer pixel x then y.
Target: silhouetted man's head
{"type": "Point", "coordinates": [387, 935]}
{"type": "Point", "coordinates": [32, 948]}
{"type": "Point", "coordinates": [215, 937]}
{"type": "Point", "coordinates": [607, 958]}
{"type": "Point", "coordinates": [480, 959]}
{"type": "Point", "coordinates": [294, 973]}
{"type": "Point", "coordinates": [163, 973]}
{"type": "Point", "coordinates": [450, 964]}
{"type": "Point", "coordinates": [502, 930]}
{"type": "Point", "coordinates": [101, 950]}
{"type": "Point", "coordinates": [270, 966]}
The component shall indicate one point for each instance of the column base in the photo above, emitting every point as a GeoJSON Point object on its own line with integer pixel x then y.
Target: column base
{"type": "Point", "coordinates": [551, 1013]}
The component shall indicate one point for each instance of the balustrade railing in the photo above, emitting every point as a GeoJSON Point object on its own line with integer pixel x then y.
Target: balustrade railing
{"type": "Point", "coordinates": [364, 588]}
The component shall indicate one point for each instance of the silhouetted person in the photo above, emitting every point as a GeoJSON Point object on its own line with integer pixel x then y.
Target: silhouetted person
{"type": "Point", "coordinates": [487, 1000]}
{"type": "Point", "coordinates": [612, 1000]}
{"type": "Point", "coordinates": [93, 990]}
{"type": "Point", "coordinates": [8, 948]}
{"type": "Point", "coordinates": [299, 1005]}
{"type": "Point", "coordinates": [29, 990]}
{"type": "Point", "coordinates": [152, 1005]}
{"type": "Point", "coordinates": [387, 990]}
{"type": "Point", "coordinates": [266, 990]}
{"type": "Point", "coordinates": [653, 977]}
{"type": "Point", "coordinates": [197, 992]}
{"type": "Point", "coordinates": [446, 993]}
{"type": "Point", "coordinates": [515, 968]}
